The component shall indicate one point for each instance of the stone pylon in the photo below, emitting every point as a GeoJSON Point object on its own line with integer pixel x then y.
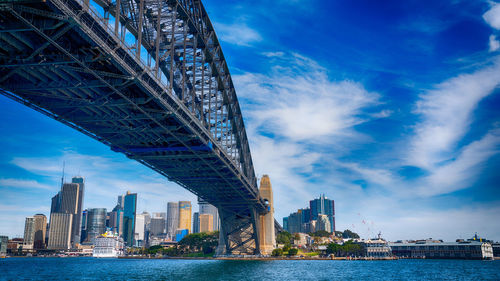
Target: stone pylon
{"type": "Point", "coordinates": [267, 235]}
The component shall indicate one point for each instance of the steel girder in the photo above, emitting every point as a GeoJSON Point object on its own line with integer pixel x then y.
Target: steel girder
{"type": "Point", "coordinates": [167, 100]}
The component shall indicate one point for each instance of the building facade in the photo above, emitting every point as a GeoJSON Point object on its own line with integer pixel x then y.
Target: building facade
{"type": "Point", "coordinates": [324, 206]}
{"type": "Point", "coordinates": [29, 233]}
{"type": "Point", "coordinates": [129, 213]}
{"type": "Point", "coordinates": [185, 215]}
{"type": "Point", "coordinates": [196, 222]}
{"type": "Point", "coordinates": [206, 223]}
{"type": "Point", "coordinates": [139, 230]}
{"type": "Point", "coordinates": [206, 208]}
{"type": "Point", "coordinates": [443, 250]}
{"type": "Point", "coordinates": [40, 231]}
{"type": "Point", "coordinates": [4, 240]}
{"type": "Point", "coordinates": [60, 231]}
{"type": "Point", "coordinates": [172, 218]}
{"type": "Point", "coordinates": [96, 223]}
{"type": "Point", "coordinates": [77, 222]}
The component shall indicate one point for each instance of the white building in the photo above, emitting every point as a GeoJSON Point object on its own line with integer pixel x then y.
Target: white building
{"type": "Point", "coordinates": [140, 226]}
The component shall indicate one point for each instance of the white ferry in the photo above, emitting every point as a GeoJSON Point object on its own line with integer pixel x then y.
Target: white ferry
{"type": "Point", "coordinates": [108, 245]}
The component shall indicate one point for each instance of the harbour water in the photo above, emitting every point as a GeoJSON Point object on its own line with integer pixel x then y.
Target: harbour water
{"type": "Point", "coordinates": [171, 269]}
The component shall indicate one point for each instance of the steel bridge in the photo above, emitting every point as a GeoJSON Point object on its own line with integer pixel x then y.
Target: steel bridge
{"type": "Point", "coordinates": [147, 78]}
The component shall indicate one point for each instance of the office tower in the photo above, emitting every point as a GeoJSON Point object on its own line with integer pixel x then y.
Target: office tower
{"type": "Point", "coordinates": [285, 223]}
{"type": "Point", "coordinates": [29, 233]}
{"type": "Point", "coordinates": [160, 215]}
{"type": "Point", "coordinates": [70, 194]}
{"type": "Point", "coordinates": [172, 218]}
{"type": "Point", "coordinates": [40, 231]}
{"type": "Point", "coordinates": [147, 219]}
{"type": "Point", "coordinates": [157, 226]}
{"type": "Point", "coordinates": [206, 223]}
{"type": "Point", "coordinates": [206, 208]}
{"type": "Point", "coordinates": [140, 227]}
{"type": "Point", "coordinates": [196, 222]}
{"type": "Point", "coordinates": [96, 223]}
{"type": "Point", "coordinates": [77, 218]}
{"type": "Point", "coordinates": [83, 236]}
{"type": "Point", "coordinates": [56, 203]}
{"type": "Point", "coordinates": [324, 206]}
{"type": "Point", "coordinates": [185, 215]}
{"type": "Point", "coordinates": [129, 212]}
{"type": "Point", "coordinates": [60, 231]}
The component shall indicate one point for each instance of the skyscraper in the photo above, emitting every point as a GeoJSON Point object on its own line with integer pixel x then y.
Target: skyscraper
{"type": "Point", "coordinates": [70, 194]}
{"type": "Point", "coordinates": [56, 203]}
{"type": "Point", "coordinates": [185, 215]}
{"type": "Point", "coordinates": [206, 208]}
{"type": "Point", "coordinates": [172, 218]}
{"type": "Point", "coordinates": [60, 231]}
{"type": "Point", "coordinates": [206, 223]}
{"type": "Point", "coordinates": [96, 223]}
{"type": "Point", "coordinates": [139, 230]}
{"type": "Point", "coordinates": [83, 236]}
{"type": "Point", "coordinates": [77, 218]}
{"type": "Point", "coordinates": [196, 222]}
{"type": "Point", "coordinates": [158, 224]}
{"type": "Point", "coordinates": [40, 231]}
{"type": "Point", "coordinates": [129, 212]}
{"type": "Point", "coordinates": [29, 233]}
{"type": "Point", "coordinates": [324, 206]}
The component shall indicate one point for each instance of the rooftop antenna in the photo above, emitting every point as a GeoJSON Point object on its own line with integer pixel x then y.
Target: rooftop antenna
{"type": "Point", "coordinates": [62, 177]}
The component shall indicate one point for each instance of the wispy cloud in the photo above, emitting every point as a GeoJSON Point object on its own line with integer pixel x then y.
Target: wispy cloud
{"type": "Point", "coordinates": [298, 100]}
{"type": "Point", "coordinates": [24, 183]}
{"type": "Point", "coordinates": [446, 113]}
{"type": "Point", "coordinates": [494, 43]}
{"type": "Point", "coordinates": [237, 33]}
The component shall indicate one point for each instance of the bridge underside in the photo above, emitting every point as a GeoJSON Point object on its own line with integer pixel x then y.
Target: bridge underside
{"type": "Point", "coordinates": [62, 60]}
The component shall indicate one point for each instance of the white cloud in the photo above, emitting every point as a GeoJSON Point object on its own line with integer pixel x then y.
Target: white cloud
{"type": "Point", "coordinates": [494, 43]}
{"type": "Point", "coordinates": [446, 114]}
{"type": "Point", "coordinates": [492, 16]}
{"type": "Point", "coordinates": [297, 100]}
{"type": "Point", "coordinates": [24, 183]}
{"type": "Point", "coordinates": [237, 33]}
{"type": "Point", "coordinates": [459, 173]}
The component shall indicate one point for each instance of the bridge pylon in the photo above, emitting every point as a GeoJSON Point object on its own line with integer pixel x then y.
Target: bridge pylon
{"type": "Point", "coordinates": [249, 232]}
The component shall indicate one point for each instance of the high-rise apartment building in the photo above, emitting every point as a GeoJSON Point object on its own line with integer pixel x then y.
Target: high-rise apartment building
{"type": "Point", "coordinates": [185, 215]}
{"type": "Point", "coordinates": [206, 223]}
{"type": "Point", "coordinates": [206, 208]}
{"type": "Point", "coordinates": [29, 233]}
{"type": "Point", "coordinates": [324, 206]}
{"type": "Point", "coordinates": [196, 222]}
{"type": "Point", "coordinates": [129, 213]}
{"type": "Point", "coordinates": [310, 219]}
{"type": "Point", "coordinates": [77, 218]}
{"type": "Point", "coordinates": [40, 228]}
{"type": "Point", "coordinates": [96, 223]}
{"type": "Point", "coordinates": [60, 231]}
{"type": "Point", "coordinates": [172, 218]}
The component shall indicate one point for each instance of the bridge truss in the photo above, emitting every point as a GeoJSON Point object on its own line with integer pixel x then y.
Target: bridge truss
{"type": "Point", "coordinates": [147, 78]}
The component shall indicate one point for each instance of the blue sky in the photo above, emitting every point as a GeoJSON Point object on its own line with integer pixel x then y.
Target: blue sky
{"type": "Point", "coordinates": [391, 109]}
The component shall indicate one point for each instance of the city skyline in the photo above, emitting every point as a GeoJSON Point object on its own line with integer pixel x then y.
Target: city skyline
{"type": "Point", "coordinates": [405, 139]}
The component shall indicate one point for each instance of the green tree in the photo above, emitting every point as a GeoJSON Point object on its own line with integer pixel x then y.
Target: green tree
{"type": "Point", "coordinates": [320, 233]}
{"type": "Point", "coordinates": [284, 237]}
{"type": "Point", "coordinates": [277, 252]}
{"type": "Point", "coordinates": [349, 234]}
{"type": "Point", "coordinates": [293, 251]}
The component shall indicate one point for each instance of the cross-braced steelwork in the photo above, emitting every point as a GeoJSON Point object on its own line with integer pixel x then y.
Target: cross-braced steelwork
{"type": "Point", "coordinates": [147, 78]}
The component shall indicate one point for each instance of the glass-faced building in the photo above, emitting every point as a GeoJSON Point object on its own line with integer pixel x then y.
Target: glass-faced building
{"type": "Point", "coordinates": [129, 211]}
{"type": "Point", "coordinates": [96, 223]}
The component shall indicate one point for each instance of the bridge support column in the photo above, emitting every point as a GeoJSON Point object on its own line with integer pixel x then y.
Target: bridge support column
{"type": "Point", "coordinates": [239, 232]}
{"type": "Point", "coordinates": [266, 221]}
